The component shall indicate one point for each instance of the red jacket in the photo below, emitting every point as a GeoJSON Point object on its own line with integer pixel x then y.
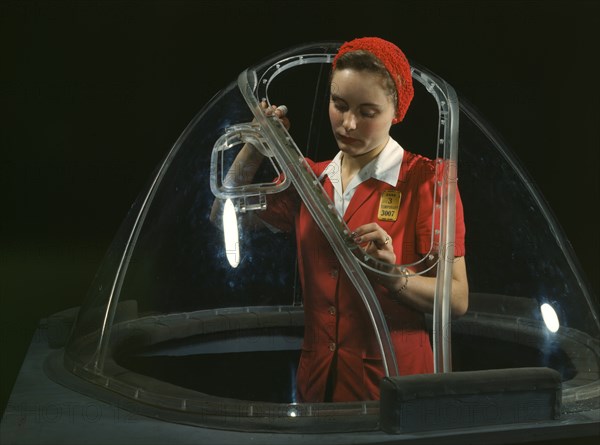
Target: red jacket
{"type": "Point", "coordinates": [339, 337]}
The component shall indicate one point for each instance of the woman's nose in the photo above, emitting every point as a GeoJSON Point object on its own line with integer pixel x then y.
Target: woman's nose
{"type": "Point", "coordinates": [349, 121]}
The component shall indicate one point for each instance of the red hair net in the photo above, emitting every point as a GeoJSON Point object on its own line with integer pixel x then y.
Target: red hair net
{"type": "Point", "coordinates": [395, 62]}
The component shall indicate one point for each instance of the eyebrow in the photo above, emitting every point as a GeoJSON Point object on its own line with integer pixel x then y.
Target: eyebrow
{"type": "Point", "coordinates": [366, 104]}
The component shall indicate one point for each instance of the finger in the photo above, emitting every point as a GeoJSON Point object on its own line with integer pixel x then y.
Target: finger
{"type": "Point", "coordinates": [385, 242]}
{"type": "Point", "coordinates": [281, 111]}
{"type": "Point", "coordinates": [365, 237]}
{"type": "Point", "coordinates": [378, 236]}
{"type": "Point", "coordinates": [367, 228]}
{"type": "Point", "coordinates": [286, 122]}
{"type": "Point", "coordinates": [386, 256]}
{"type": "Point", "coordinates": [277, 111]}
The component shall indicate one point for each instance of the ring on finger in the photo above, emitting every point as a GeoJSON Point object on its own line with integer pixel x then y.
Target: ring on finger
{"type": "Point", "coordinates": [387, 239]}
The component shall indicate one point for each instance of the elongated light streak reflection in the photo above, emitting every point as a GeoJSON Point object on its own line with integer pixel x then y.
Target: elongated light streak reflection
{"type": "Point", "coordinates": [550, 317]}
{"type": "Point", "coordinates": [230, 233]}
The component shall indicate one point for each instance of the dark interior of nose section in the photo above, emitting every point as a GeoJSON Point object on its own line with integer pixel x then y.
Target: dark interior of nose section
{"type": "Point", "coordinates": [173, 329]}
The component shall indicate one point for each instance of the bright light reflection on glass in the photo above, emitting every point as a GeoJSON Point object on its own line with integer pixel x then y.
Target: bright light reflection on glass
{"type": "Point", "coordinates": [230, 232]}
{"type": "Point", "coordinates": [550, 317]}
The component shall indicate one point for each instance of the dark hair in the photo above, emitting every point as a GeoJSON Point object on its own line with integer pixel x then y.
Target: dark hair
{"type": "Point", "coordinates": [361, 60]}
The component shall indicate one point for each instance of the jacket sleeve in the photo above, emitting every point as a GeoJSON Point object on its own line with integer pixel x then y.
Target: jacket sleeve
{"type": "Point", "coordinates": [428, 217]}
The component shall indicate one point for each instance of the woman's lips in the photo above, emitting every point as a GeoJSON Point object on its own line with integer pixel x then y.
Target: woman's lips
{"type": "Point", "coordinates": [346, 139]}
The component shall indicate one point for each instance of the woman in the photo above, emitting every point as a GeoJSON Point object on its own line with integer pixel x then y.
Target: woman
{"type": "Point", "coordinates": [371, 89]}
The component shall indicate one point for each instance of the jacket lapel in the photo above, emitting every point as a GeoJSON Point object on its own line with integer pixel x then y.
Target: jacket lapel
{"type": "Point", "coordinates": [328, 186]}
{"type": "Point", "coordinates": [363, 193]}
{"type": "Point", "coordinates": [366, 189]}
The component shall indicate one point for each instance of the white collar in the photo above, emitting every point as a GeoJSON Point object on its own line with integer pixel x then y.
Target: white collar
{"type": "Point", "coordinates": [385, 167]}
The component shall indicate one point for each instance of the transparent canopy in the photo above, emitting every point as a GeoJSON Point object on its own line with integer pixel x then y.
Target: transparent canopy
{"type": "Point", "coordinates": [203, 324]}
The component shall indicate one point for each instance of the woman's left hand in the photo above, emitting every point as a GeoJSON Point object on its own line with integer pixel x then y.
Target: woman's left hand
{"type": "Point", "coordinates": [377, 242]}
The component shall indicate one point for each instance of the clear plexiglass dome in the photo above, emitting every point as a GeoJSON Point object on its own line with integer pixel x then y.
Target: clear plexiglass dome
{"type": "Point", "coordinates": [194, 327]}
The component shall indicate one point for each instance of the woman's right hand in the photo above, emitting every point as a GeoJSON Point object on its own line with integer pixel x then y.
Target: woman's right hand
{"type": "Point", "coordinates": [279, 112]}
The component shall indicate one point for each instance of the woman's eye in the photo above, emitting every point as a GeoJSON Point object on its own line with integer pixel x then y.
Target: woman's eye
{"type": "Point", "coordinates": [342, 107]}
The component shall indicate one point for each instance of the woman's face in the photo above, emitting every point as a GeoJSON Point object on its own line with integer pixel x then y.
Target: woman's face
{"type": "Point", "coordinates": [360, 110]}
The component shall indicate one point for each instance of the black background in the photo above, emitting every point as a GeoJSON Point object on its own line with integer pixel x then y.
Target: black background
{"type": "Point", "coordinates": [94, 93]}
